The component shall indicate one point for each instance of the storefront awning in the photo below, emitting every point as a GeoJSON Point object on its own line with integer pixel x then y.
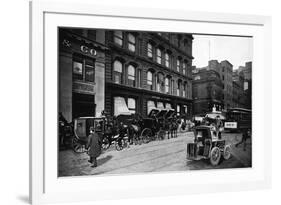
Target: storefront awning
{"type": "Point", "coordinates": [120, 107]}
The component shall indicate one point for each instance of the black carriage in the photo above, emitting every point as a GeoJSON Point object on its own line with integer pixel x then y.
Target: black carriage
{"type": "Point", "coordinates": [81, 131]}
{"type": "Point", "coordinates": [156, 124]}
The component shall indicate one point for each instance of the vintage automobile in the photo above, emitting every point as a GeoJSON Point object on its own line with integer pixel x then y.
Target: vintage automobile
{"type": "Point", "coordinates": [206, 145]}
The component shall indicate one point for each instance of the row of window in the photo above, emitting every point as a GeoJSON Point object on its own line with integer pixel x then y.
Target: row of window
{"type": "Point", "coordinates": [181, 66]}
{"type": "Point", "coordinates": [154, 81]}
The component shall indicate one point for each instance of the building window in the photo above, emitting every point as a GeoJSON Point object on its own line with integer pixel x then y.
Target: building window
{"type": "Point", "coordinates": [184, 68]}
{"type": "Point", "coordinates": [139, 78]}
{"type": "Point", "coordinates": [118, 37]}
{"type": "Point", "coordinates": [132, 105]}
{"type": "Point", "coordinates": [150, 106]}
{"type": "Point", "coordinates": [159, 57]}
{"type": "Point", "coordinates": [117, 72]}
{"type": "Point", "coordinates": [168, 106]}
{"type": "Point", "coordinates": [149, 80]}
{"type": "Point", "coordinates": [178, 88]}
{"type": "Point", "coordinates": [167, 85]}
{"type": "Point", "coordinates": [184, 90]}
{"type": "Point", "coordinates": [172, 86]}
{"type": "Point", "coordinates": [160, 82]}
{"type": "Point", "coordinates": [83, 69]}
{"type": "Point", "coordinates": [149, 50]}
{"type": "Point", "coordinates": [178, 65]}
{"type": "Point", "coordinates": [78, 70]}
{"type": "Point", "coordinates": [178, 110]}
{"type": "Point", "coordinates": [131, 42]}
{"type": "Point", "coordinates": [131, 75]}
{"type": "Point", "coordinates": [89, 71]}
{"type": "Point", "coordinates": [167, 60]}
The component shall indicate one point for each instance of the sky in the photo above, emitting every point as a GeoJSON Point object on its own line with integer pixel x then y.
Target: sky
{"type": "Point", "coordinates": [237, 50]}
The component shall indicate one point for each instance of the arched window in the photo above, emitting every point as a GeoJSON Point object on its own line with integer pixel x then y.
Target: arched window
{"type": "Point", "coordinates": [131, 42]}
{"type": "Point", "coordinates": [118, 37]}
{"type": "Point", "coordinates": [167, 85]}
{"type": "Point", "coordinates": [117, 72]}
{"type": "Point", "coordinates": [167, 60]}
{"type": "Point", "coordinates": [149, 50]}
{"type": "Point", "coordinates": [184, 66]}
{"type": "Point", "coordinates": [131, 75]}
{"type": "Point", "coordinates": [160, 82]}
{"type": "Point", "coordinates": [184, 89]}
{"type": "Point", "coordinates": [149, 80]}
{"type": "Point", "coordinates": [159, 56]}
{"type": "Point", "coordinates": [179, 87]}
{"type": "Point", "coordinates": [178, 65]}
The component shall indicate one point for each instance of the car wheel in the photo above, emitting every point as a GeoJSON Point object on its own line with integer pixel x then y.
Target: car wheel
{"type": "Point", "coordinates": [226, 152]}
{"type": "Point", "coordinates": [215, 156]}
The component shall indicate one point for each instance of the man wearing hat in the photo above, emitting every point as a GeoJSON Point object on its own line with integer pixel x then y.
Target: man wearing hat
{"type": "Point", "coordinates": [94, 147]}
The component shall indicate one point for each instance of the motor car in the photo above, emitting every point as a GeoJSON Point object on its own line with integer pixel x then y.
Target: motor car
{"type": "Point", "coordinates": [207, 145]}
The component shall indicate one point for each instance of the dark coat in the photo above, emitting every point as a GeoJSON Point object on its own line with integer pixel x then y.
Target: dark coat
{"type": "Point", "coordinates": [94, 145]}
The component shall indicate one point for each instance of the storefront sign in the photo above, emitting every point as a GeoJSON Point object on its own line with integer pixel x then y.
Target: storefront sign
{"type": "Point", "coordinates": [83, 88]}
{"type": "Point", "coordinates": [88, 50]}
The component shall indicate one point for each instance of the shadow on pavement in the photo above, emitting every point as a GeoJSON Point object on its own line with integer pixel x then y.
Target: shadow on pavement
{"type": "Point", "coordinates": [104, 160]}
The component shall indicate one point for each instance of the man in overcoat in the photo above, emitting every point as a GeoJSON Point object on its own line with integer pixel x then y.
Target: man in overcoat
{"type": "Point", "coordinates": [94, 147]}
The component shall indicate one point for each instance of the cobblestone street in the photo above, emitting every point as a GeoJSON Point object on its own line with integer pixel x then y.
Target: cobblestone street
{"type": "Point", "coordinates": [156, 156]}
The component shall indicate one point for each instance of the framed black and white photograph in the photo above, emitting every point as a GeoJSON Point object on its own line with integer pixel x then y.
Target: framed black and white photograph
{"type": "Point", "coordinates": [151, 103]}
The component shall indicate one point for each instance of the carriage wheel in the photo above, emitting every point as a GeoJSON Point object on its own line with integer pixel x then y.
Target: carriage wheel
{"type": "Point", "coordinates": [226, 152]}
{"type": "Point", "coordinates": [215, 156]}
{"type": "Point", "coordinates": [146, 135]}
{"type": "Point", "coordinates": [105, 143]}
{"type": "Point", "coordinates": [77, 146]}
{"type": "Point", "coordinates": [119, 145]}
{"type": "Point", "coordinates": [161, 134]}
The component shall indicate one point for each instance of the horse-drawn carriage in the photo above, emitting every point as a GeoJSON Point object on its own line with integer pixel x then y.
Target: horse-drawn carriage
{"type": "Point", "coordinates": [157, 124]}
{"type": "Point", "coordinates": [109, 133]}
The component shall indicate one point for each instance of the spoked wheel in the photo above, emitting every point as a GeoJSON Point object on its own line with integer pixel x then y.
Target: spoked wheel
{"type": "Point", "coordinates": [146, 135]}
{"type": "Point", "coordinates": [77, 146]}
{"type": "Point", "coordinates": [119, 145]}
{"type": "Point", "coordinates": [105, 143]}
{"type": "Point", "coordinates": [215, 156]}
{"type": "Point", "coordinates": [226, 152]}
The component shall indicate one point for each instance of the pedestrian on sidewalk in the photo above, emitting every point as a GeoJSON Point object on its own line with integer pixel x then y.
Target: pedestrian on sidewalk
{"type": "Point", "coordinates": [245, 136]}
{"type": "Point", "coordinates": [94, 147]}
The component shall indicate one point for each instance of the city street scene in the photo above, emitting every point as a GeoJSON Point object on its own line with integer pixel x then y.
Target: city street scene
{"type": "Point", "coordinates": [148, 102]}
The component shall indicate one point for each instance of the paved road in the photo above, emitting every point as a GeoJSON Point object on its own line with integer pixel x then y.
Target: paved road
{"type": "Point", "coordinates": [156, 156]}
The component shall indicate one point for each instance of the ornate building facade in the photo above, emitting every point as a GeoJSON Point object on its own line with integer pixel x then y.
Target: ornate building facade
{"type": "Point", "coordinates": [146, 70]}
{"type": "Point", "coordinates": [123, 71]}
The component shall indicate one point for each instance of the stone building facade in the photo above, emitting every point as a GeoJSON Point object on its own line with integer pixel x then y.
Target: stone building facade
{"type": "Point", "coordinates": [145, 70]}
{"type": "Point", "coordinates": [81, 69]}
{"type": "Point", "coordinates": [207, 90]}
{"type": "Point", "coordinates": [123, 71]}
{"type": "Point", "coordinates": [225, 69]}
